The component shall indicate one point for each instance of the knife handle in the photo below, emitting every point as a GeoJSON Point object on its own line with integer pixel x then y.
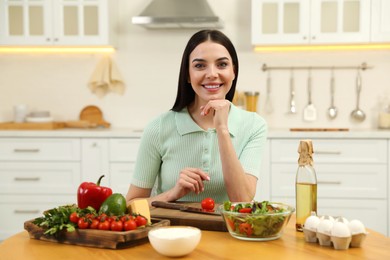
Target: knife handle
{"type": "Point", "coordinates": [167, 205]}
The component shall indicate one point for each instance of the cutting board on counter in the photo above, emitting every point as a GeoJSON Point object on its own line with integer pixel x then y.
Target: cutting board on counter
{"type": "Point", "coordinates": [182, 218]}
{"type": "Point", "coordinates": [96, 238]}
{"type": "Point", "coordinates": [31, 126]}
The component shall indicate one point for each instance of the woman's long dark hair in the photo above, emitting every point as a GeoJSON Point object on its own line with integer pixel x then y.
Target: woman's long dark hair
{"type": "Point", "coordinates": [185, 93]}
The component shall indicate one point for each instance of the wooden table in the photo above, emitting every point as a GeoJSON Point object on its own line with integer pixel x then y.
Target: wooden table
{"type": "Point", "coordinates": [213, 245]}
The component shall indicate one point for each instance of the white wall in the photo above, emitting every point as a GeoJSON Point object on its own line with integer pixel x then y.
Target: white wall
{"type": "Point", "coordinates": [149, 61]}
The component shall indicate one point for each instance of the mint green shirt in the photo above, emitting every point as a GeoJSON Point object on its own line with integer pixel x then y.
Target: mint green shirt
{"type": "Point", "coordinates": [173, 141]}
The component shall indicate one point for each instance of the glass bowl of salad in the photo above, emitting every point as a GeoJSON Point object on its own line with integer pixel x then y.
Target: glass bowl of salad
{"type": "Point", "coordinates": [256, 221]}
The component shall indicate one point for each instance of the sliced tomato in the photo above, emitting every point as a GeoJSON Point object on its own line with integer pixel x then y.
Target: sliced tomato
{"type": "Point", "coordinates": [246, 229]}
{"type": "Point", "coordinates": [245, 210]}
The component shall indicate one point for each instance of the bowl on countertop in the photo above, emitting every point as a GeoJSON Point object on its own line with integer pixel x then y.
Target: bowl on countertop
{"type": "Point", "coordinates": [174, 241]}
{"type": "Point", "coordinates": [257, 225]}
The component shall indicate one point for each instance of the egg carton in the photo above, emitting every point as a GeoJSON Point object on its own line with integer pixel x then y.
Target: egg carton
{"type": "Point", "coordinates": [339, 233]}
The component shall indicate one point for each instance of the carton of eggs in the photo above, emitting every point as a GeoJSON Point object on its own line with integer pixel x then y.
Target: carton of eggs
{"type": "Point", "coordinates": [339, 232]}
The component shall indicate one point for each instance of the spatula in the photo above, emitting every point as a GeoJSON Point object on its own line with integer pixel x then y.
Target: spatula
{"type": "Point", "coordinates": [309, 112]}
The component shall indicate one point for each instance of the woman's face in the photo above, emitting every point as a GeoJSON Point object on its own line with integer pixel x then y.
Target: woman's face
{"type": "Point", "coordinates": [211, 71]}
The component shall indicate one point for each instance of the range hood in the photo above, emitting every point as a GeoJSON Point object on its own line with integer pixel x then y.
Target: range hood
{"type": "Point", "coordinates": [178, 14]}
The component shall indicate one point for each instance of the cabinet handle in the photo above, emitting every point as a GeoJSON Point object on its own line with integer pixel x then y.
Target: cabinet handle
{"type": "Point", "coordinates": [26, 150]}
{"type": "Point", "coordinates": [25, 211]}
{"type": "Point", "coordinates": [327, 152]}
{"type": "Point", "coordinates": [27, 178]}
{"type": "Point", "coordinates": [329, 182]}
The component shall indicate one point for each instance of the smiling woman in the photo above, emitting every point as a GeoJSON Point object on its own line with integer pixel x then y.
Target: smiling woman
{"type": "Point", "coordinates": [204, 146]}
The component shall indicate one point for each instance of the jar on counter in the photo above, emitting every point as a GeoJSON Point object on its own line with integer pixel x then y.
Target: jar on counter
{"type": "Point", "coordinates": [384, 117]}
{"type": "Point", "coordinates": [251, 98]}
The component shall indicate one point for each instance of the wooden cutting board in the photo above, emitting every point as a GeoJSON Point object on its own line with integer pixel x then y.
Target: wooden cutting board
{"type": "Point", "coordinates": [96, 238]}
{"type": "Point", "coordinates": [93, 115]}
{"type": "Point", "coordinates": [181, 218]}
{"type": "Point", "coordinates": [31, 126]}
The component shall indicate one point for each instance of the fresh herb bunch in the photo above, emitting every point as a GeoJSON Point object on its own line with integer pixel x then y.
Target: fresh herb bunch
{"type": "Point", "coordinates": [57, 219]}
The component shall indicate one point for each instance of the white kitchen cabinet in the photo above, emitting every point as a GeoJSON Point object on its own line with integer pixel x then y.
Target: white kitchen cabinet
{"type": "Point", "coordinates": [43, 173]}
{"type": "Point", "coordinates": [352, 177]}
{"type": "Point", "coordinates": [123, 154]}
{"type": "Point", "coordinates": [310, 22]}
{"type": "Point", "coordinates": [56, 22]}
{"type": "Point", "coordinates": [94, 161]}
{"type": "Point", "coordinates": [37, 174]}
{"type": "Point", "coordinates": [380, 21]}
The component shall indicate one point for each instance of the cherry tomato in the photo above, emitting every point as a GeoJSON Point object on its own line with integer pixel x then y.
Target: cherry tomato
{"type": "Point", "coordinates": [94, 224]}
{"type": "Point", "coordinates": [116, 225]}
{"type": "Point", "coordinates": [140, 221]}
{"type": "Point", "coordinates": [245, 210]}
{"type": "Point", "coordinates": [83, 223]}
{"type": "Point", "coordinates": [90, 216]}
{"type": "Point", "coordinates": [246, 229]}
{"type": "Point", "coordinates": [129, 225]}
{"type": "Point", "coordinates": [104, 225]}
{"type": "Point", "coordinates": [102, 217]}
{"type": "Point", "coordinates": [74, 217]}
{"type": "Point", "coordinates": [208, 204]}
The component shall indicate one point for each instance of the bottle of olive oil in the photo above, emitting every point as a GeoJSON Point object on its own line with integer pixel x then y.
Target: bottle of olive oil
{"type": "Point", "coordinates": [305, 184]}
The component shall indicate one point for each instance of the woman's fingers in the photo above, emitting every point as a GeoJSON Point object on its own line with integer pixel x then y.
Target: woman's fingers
{"type": "Point", "coordinates": [192, 178]}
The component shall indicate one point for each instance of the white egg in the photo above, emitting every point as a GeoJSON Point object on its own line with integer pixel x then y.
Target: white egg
{"type": "Point", "coordinates": [325, 226]}
{"type": "Point", "coordinates": [312, 222]}
{"type": "Point", "coordinates": [356, 227]}
{"type": "Point", "coordinates": [342, 219]}
{"type": "Point", "coordinates": [340, 229]}
{"type": "Point", "coordinates": [328, 217]}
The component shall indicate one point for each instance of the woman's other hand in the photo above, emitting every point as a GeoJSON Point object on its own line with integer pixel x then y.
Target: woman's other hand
{"type": "Point", "coordinates": [190, 180]}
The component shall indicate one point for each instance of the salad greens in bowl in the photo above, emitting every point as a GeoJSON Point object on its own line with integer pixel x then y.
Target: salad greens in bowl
{"type": "Point", "coordinates": [256, 221]}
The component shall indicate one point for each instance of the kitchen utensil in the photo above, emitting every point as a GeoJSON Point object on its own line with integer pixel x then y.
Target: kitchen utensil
{"type": "Point", "coordinates": [96, 238]}
{"type": "Point", "coordinates": [268, 101]}
{"type": "Point", "coordinates": [174, 241]}
{"type": "Point", "coordinates": [267, 225]}
{"type": "Point", "coordinates": [309, 112]}
{"type": "Point", "coordinates": [184, 218]}
{"type": "Point", "coordinates": [293, 109]}
{"type": "Point", "coordinates": [358, 115]}
{"type": "Point", "coordinates": [93, 115]}
{"type": "Point", "coordinates": [32, 126]}
{"type": "Point", "coordinates": [170, 205]}
{"type": "Point", "coordinates": [332, 110]}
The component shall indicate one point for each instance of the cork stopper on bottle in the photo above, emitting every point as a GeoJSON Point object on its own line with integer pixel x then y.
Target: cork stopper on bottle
{"type": "Point", "coordinates": [305, 151]}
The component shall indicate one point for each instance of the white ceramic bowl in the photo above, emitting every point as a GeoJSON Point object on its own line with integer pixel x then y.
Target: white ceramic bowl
{"type": "Point", "coordinates": [174, 241]}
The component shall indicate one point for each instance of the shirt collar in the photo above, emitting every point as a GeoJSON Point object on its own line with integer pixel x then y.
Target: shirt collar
{"type": "Point", "coordinates": [185, 124]}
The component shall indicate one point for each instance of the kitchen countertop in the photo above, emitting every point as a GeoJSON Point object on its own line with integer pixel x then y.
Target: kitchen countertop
{"type": "Point", "coordinates": [136, 133]}
{"type": "Point", "coordinates": [213, 245]}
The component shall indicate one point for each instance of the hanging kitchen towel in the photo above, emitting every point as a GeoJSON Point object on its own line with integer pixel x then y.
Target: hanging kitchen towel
{"type": "Point", "coordinates": [106, 78]}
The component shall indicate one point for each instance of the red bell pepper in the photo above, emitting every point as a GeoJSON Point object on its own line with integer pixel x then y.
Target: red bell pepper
{"type": "Point", "coordinates": [92, 194]}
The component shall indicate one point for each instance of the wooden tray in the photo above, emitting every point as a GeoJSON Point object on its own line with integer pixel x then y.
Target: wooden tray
{"type": "Point", "coordinates": [31, 126]}
{"type": "Point", "coordinates": [182, 218]}
{"type": "Point", "coordinates": [96, 238]}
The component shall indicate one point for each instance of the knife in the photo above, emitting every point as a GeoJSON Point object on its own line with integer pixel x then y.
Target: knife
{"type": "Point", "coordinates": [182, 207]}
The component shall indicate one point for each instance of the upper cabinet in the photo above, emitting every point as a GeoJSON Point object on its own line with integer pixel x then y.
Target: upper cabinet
{"type": "Point", "coordinates": [311, 21]}
{"type": "Point", "coordinates": [55, 22]}
{"type": "Point", "coordinates": [380, 20]}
